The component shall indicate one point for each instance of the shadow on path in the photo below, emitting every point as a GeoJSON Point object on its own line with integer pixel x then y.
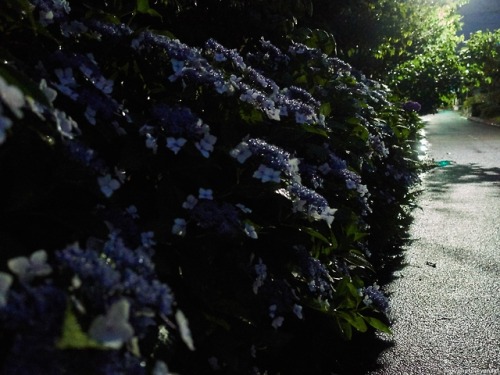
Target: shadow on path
{"type": "Point", "coordinates": [441, 178]}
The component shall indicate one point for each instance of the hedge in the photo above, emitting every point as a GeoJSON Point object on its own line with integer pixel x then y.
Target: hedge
{"type": "Point", "coordinates": [168, 207]}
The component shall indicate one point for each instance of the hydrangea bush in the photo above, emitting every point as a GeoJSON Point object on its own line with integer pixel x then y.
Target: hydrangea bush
{"type": "Point", "coordinates": [194, 209]}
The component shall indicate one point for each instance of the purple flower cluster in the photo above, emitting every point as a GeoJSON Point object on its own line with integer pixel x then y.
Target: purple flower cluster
{"type": "Point", "coordinates": [85, 156]}
{"type": "Point", "coordinates": [373, 296]}
{"type": "Point", "coordinates": [175, 126]}
{"type": "Point", "coordinates": [311, 174]}
{"type": "Point", "coordinates": [33, 316]}
{"type": "Point", "coordinates": [220, 54]}
{"type": "Point", "coordinates": [273, 156]}
{"type": "Point", "coordinates": [108, 30]}
{"type": "Point", "coordinates": [317, 56]}
{"type": "Point", "coordinates": [412, 106]}
{"type": "Point", "coordinates": [221, 217]}
{"type": "Point", "coordinates": [378, 145]}
{"type": "Point", "coordinates": [79, 78]}
{"type": "Point", "coordinates": [189, 65]}
{"type": "Point", "coordinates": [177, 121]}
{"type": "Point", "coordinates": [51, 11]}
{"type": "Point", "coordinates": [274, 159]}
{"type": "Point", "coordinates": [401, 175]}
{"type": "Point", "coordinates": [297, 93]}
{"type": "Point", "coordinates": [315, 273]}
{"type": "Point", "coordinates": [308, 201]}
{"type": "Point", "coordinates": [115, 271]}
{"type": "Point", "coordinates": [269, 56]}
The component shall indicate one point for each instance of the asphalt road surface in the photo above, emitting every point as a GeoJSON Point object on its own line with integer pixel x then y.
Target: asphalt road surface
{"type": "Point", "coordinates": [446, 301]}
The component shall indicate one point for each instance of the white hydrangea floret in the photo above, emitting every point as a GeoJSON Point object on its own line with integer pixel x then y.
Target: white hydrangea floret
{"type": "Point", "coordinates": [261, 271]}
{"type": "Point", "coordinates": [113, 329]}
{"type": "Point", "coordinates": [12, 97]}
{"type": "Point", "coordinates": [328, 215]}
{"type": "Point", "coordinates": [205, 194]}
{"type": "Point", "coordinates": [27, 269]}
{"type": "Point", "coordinates": [241, 152]}
{"type": "Point", "coordinates": [175, 144]}
{"type": "Point", "coordinates": [108, 185]}
{"type": "Point", "coordinates": [250, 231]}
{"type": "Point", "coordinates": [206, 144]}
{"type": "Point", "coordinates": [277, 322]}
{"type": "Point", "coordinates": [66, 125]}
{"type": "Point", "coordinates": [297, 310]}
{"type": "Point", "coordinates": [179, 227]}
{"type": "Point", "coordinates": [190, 202]}
{"type": "Point", "coordinates": [266, 174]}
{"type": "Point", "coordinates": [5, 283]}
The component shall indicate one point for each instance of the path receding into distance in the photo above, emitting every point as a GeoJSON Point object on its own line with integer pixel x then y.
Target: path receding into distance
{"type": "Point", "coordinates": [445, 303]}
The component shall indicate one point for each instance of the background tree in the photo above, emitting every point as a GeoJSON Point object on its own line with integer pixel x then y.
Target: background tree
{"type": "Point", "coordinates": [480, 57]}
{"type": "Point", "coordinates": [409, 45]}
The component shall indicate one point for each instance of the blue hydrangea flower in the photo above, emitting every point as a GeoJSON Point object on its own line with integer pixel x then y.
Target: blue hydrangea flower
{"type": "Point", "coordinates": [147, 240]}
{"type": "Point", "coordinates": [92, 269]}
{"type": "Point", "coordinates": [51, 11]}
{"type": "Point", "coordinates": [309, 202]}
{"type": "Point", "coordinates": [373, 296]}
{"type": "Point", "coordinates": [221, 53]}
{"type": "Point", "coordinates": [222, 217]}
{"type": "Point", "coordinates": [412, 106]}
{"type": "Point", "coordinates": [315, 273]}
{"type": "Point", "coordinates": [73, 28]}
{"type": "Point", "coordinates": [86, 156]}
{"type": "Point", "coordinates": [110, 30]}
{"type": "Point", "coordinates": [112, 269]}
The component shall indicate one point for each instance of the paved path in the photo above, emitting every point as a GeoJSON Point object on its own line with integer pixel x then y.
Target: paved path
{"type": "Point", "coordinates": [446, 301]}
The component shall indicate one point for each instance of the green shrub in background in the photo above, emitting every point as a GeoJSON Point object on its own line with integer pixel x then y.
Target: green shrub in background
{"type": "Point", "coordinates": [188, 208]}
{"type": "Point", "coordinates": [481, 64]}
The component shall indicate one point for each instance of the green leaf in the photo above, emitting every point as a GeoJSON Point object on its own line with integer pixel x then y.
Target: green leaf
{"type": "Point", "coordinates": [315, 130]}
{"type": "Point", "coordinates": [357, 258]}
{"type": "Point", "coordinates": [354, 319]}
{"type": "Point", "coordinates": [377, 324]}
{"type": "Point", "coordinates": [353, 233]}
{"type": "Point", "coordinates": [325, 109]}
{"type": "Point", "coordinates": [73, 337]}
{"type": "Point", "coordinates": [345, 328]}
{"type": "Point", "coordinates": [251, 115]}
{"type": "Point", "coordinates": [315, 234]}
{"type": "Point", "coordinates": [143, 7]}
